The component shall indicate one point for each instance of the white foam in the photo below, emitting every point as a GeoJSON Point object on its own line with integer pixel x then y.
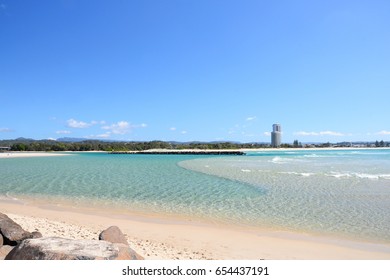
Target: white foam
{"type": "Point", "coordinates": [307, 174]}
{"type": "Point", "coordinates": [303, 174]}
{"type": "Point", "coordinates": [339, 175]}
{"type": "Point", "coordinates": [373, 176]}
{"type": "Point", "coordinates": [367, 176]}
{"type": "Point", "coordinates": [245, 170]}
{"type": "Point", "coordinates": [279, 160]}
{"type": "Point", "coordinates": [8, 197]}
{"type": "Point", "coordinates": [312, 156]}
{"type": "Point", "coordinates": [385, 176]}
{"type": "Point", "coordinates": [360, 175]}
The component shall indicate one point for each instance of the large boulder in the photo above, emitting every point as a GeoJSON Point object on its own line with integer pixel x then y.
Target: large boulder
{"type": "Point", "coordinates": [36, 234]}
{"type": "Point", "coordinates": [1, 240]}
{"type": "Point", "coordinates": [11, 231]}
{"type": "Point", "coordinates": [56, 248]}
{"type": "Point", "coordinates": [113, 234]}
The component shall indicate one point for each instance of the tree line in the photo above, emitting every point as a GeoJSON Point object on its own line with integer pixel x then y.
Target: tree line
{"type": "Point", "coordinates": [96, 145]}
{"type": "Point", "coordinates": [92, 145]}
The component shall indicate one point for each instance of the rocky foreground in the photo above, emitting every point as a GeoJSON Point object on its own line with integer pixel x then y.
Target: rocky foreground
{"type": "Point", "coordinates": [19, 244]}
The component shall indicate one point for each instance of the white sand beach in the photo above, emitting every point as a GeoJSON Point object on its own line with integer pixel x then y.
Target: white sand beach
{"type": "Point", "coordinates": [30, 154]}
{"type": "Point", "coordinates": [163, 238]}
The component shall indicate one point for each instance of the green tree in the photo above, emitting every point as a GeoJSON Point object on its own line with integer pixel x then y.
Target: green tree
{"type": "Point", "coordinates": [19, 147]}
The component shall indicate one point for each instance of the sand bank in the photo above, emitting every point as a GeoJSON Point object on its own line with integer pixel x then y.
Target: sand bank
{"type": "Point", "coordinates": [163, 238]}
{"type": "Point", "coordinates": [29, 154]}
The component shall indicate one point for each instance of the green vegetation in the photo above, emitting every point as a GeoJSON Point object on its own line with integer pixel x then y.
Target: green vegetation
{"type": "Point", "coordinates": [95, 145]}
{"type": "Point", "coordinates": [22, 144]}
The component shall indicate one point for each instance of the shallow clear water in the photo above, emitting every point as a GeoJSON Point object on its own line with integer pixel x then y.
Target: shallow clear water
{"type": "Point", "coordinates": [342, 193]}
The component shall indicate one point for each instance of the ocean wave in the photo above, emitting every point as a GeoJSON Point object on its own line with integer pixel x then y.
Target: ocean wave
{"type": "Point", "coordinates": [339, 175]}
{"type": "Point", "coordinates": [322, 156]}
{"type": "Point", "coordinates": [287, 159]}
{"type": "Point", "coordinates": [303, 174]}
{"type": "Point", "coordinates": [8, 197]}
{"type": "Point", "coordinates": [373, 176]}
{"type": "Point", "coordinates": [359, 175]}
{"type": "Point", "coordinates": [313, 156]}
{"type": "Point", "coordinates": [245, 170]}
{"type": "Point", "coordinates": [280, 160]}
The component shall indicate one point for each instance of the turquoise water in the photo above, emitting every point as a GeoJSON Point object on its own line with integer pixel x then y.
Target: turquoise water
{"type": "Point", "coordinates": [338, 192]}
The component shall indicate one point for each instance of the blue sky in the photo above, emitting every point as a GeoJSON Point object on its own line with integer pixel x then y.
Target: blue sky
{"type": "Point", "coordinates": [200, 70]}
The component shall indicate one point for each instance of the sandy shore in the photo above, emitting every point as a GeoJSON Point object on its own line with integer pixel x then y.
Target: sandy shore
{"type": "Point", "coordinates": [164, 238]}
{"type": "Point", "coordinates": [29, 154]}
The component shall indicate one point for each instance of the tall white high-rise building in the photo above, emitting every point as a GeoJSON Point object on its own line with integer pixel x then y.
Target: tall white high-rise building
{"type": "Point", "coordinates": [276, 136]}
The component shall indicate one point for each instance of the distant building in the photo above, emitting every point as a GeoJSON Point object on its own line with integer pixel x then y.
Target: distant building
{"type": "Point", "coordinates": [276, 136]}
{"type": "Point", "coordinates": [2, 149]}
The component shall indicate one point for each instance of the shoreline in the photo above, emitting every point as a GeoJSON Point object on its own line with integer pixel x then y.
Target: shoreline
{"type": "Point", "coordinates": [168, 238]}
{"type": "Point", "coordinates": [30, 154]}
{"type": "Point", "coordinates": [16, 154]}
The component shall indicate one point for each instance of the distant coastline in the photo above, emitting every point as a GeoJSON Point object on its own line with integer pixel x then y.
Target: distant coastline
{"type": "Point", "coordinates": [85, 145]}
{"type": "Point", "coordinates": [25, 154]}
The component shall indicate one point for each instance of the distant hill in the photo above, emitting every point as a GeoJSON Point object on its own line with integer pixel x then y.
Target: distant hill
{"type": "Point", "coordinates": [71, 140]}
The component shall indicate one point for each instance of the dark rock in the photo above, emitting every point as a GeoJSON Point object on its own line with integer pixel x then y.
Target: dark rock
{"type": "Point", "coordinates": [4, 250]}
{"type": "Point", "coordinates": [113, 234]}
{"type": "Point", "coordinates": [11, 231]}
{"type": "Point", "coordinates": [56, 248]}
{"type": "Point", "coordinates": [36, 234]}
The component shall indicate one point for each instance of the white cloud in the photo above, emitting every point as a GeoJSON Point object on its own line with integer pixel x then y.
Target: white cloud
{"type": "Point", "coordinates": [304, 133]}
{"type": "Point", "coordinates": [172, 128]}
{"type": "Point", "coordinates": [184, 132]}
{"type": "Point", "coordinates": [332, 133]}
{"type": "Point", "coordinates": [98, 122]}
{"type": "Point", "coordinates": [63, 132]}
{"type": "Point", "coordinates": [384, 132]}
{"type": "Point", "coordinates": [143, 125]}
{"type": "Point", "coordinates": [5, 129]}
{"type": "Point", "coordinates": [248, 119]}
{"type": "Point", "coordinates": [321, 133]}
{"type": "Point", "coordinates": [78, 124]}
{"type": "Point", "coordinates": [104, 135]}
{"type": "Point", "coordinates": [121, 127]}
{"type": "Point", "coordinates": [267, 133]}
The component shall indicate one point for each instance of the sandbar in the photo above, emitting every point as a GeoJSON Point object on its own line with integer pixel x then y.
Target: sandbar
{"type": "Point", "coordinates": [30, 154]}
